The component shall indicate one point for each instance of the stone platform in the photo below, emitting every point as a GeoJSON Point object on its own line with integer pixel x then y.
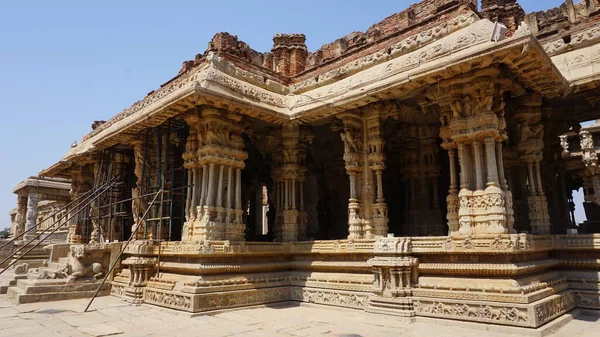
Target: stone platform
{"type": "Point", "coordinates": [110, 316]}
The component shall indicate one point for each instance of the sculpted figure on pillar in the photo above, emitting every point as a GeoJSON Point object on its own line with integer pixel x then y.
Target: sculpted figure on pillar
{"type": "Point", "coordinates": [138, 201]}
{"type": "Point", "coordinates": [590, 160]}
{"type": "Point", "coordinates": [588, 151]}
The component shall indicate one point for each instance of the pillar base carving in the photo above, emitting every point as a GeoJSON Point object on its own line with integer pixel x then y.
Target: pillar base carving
{"type": "Point", "coordinates": [290, 225]}
{"type": "Point", "coordinates": [302, 225]}
{"type": "Point", "coordinates": [539, 219]}
{"type": "Point", "coordinates": [452, 215]}
{"type": "Point", "coordinates": [380, 221]}
{"type": "Point", "coordinates": [355, 223]}
{"type": "Point", "coordinates": [483, 212]}
{"type": "Point", "coordinates": [217, 223]}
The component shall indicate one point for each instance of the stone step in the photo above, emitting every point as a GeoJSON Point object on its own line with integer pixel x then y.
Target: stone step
{"type": "Point", "coordinates": [30, 287]}
{"type": "Point", "coordinates": [21, 298]}
{"type": "Point", "coordinates": [14, 292]}
{"type": "Point", "coordinates": [56, 266]}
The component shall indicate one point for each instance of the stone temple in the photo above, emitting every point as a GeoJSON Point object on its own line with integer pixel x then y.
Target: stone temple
{"type": "Point", "coordinates": [424, 167]}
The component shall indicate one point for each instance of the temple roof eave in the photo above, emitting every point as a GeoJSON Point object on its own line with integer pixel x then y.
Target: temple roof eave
{"type": "Point", "coordinates": [57, 187]}
{"type": "Point", "coordinates": [521, 54]}
{"type": "Point", "coordinates": [220, 83]}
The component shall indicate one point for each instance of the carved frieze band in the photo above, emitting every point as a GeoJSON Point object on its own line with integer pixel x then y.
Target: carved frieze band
{"type": "Point", "coordinates": [532, 315]}
{"type": "Point", "coordinates": [339, 298]}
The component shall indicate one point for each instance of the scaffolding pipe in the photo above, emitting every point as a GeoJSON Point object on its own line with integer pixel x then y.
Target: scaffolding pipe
{"type": "Point", "coordinates": [117, 259]}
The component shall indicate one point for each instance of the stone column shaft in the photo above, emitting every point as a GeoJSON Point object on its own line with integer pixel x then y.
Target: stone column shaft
{"type": "Point", "coordinates": [462, 161]}
{"type": "Point", "coordinates": [287, 194]}
{"type": "Point", "coordinates": [190, 191]}
{"type": "Point", "coordinates": [210, 198]}
{"type": "Point", "coordinates": [220, 186]}
{"type": "Point", "coordinates": [478, 166]}
{"type": "Point", "coordinates": [229, 187]}
{"type": "Point", "coordinates": [380, 198]}
{"type": "Point", "coordinates": [238, 189]}
{"type": "Point", "coordinates": [532, 183]}
{"type": "Point", "coordinates": [492, 167]}
{"type": "Point", "coordinates": [203, 185]}
{"type": "Point", "coordinates": [301, 195]}
{"type": "Point", "coordinates": [452, 158]}
{"type": "Point", "coordinates": [353, 195]}
{"type": "Point", "coordinates": [500, 166]}
{"type": "Point", "coordinates": [293, 193]}
{"type": "Point", "coordinates": [539, 188]}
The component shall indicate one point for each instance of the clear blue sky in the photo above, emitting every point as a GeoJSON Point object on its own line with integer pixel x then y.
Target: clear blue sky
{"type": "Point", "coordinates": [64, 64]}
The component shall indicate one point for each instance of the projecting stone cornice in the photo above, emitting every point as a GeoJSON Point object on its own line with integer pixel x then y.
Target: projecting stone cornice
{"type": "Point", "coordinates": [42, 186]}
{"type": "Point", "coordinates": [420, 61]}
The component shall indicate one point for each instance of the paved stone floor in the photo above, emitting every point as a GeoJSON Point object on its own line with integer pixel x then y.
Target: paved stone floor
{"type": "Point", "coordinates": [110, 316]}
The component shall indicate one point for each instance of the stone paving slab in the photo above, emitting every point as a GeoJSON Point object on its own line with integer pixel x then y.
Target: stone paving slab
{"type": "Point", "coordinates": [109, 316]}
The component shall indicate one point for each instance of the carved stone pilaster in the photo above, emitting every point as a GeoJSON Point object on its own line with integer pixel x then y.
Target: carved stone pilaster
{"type": "Point", "coordinates": [140, 271]}
{"type": "Point", "coordinates": [395, 272]}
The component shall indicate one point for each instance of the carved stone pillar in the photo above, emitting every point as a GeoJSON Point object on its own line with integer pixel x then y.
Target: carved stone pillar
{"type": "Point", "coordinates": [452, 200]}
{"type": "Point", "coordinates": [350, 126]}
{"type": "Point", "coordinates": [81, 183]}
{"type": "Point", "coordinates": [139, 203]}
{"type": "Point", "coordinates": [362, 135]}
{"type": "Point", "coordinates": [277, 195]}
{"type": "Point", "coordinates": [306, 136]}
{"type": "Point", "coordinates": [31, 214]}
{"type": "Point", "coordinates": [215, 157]}
{"type": "Point", "coordinates": [531, 146]}
{"type": "Point", "coordinates": [20, 217]}
{"type": "Point", "coordinates": [376, 162]}
{"type": "Point", "coordinates": [477, 119]}
{"type": "Point", "coordinates": [290, 135]}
